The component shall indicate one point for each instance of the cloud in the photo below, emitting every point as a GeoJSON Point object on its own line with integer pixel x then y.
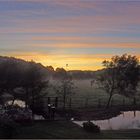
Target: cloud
{"type": "Point", "coordinates": [62, 3]}
{"type": "Point", "coordinates": [73, 25]}
{"type": "Point", "coordinates": [83, 39]}
{"type": "Point", "coordinates": [71, 30]}
{"type": "Point", "coordinates": [87, 45]}
{"type": "Point", "coordinates": [124, 17]}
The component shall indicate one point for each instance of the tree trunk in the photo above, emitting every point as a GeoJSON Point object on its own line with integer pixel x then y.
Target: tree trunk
{"type": "Point", "coordinates": [109, 100]}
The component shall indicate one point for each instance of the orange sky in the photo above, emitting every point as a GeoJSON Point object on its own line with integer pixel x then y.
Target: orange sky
{"type": "Point", "coordinates": [80, 62]}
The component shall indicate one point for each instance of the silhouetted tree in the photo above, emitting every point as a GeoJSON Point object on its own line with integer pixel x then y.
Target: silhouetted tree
{"type": "Point", "coordinates": [9, 76]}
{"type": "Point", "coordinates": [21, 79]}
{"type": "Point", "coordinates": [127, 75]}
{"type": "Point", "coordinates": [33, 82]}
{"type": "Point", "coordinates": [121, 76]}
{"type": "Point", "coordinates": [107, 80]}
{"type": "Point", "coordinates": [60, 73]}
{"type": "Point", "coordinates": [66, 89]}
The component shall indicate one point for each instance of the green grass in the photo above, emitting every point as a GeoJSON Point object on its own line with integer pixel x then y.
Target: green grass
{"type": "Point", "coordinates": [85, 95]}
{"type": "Point", "coordinates": [67, 129]}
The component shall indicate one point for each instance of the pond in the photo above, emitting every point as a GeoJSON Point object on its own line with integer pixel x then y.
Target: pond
{"type": "Point", "coordinates": [126, 120]}
{"type": "Point", "coordinates": [17, 102]}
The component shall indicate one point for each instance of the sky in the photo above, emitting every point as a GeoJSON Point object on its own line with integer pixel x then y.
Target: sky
{"type": "Point", "coordinates": [80, 33]}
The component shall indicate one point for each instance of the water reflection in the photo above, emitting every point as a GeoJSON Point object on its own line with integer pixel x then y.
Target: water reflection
{"type": "Point", "coordinates": [126, 120]}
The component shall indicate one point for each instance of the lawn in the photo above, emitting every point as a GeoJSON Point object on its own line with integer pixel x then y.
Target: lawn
{"type": "Point", "coordinates": [67, 129]}
{"type": "Point", "coordinates": [91, 96]}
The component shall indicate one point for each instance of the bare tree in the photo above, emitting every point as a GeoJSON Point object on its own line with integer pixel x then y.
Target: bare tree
{"type": "Point", "coordinates": [107, 80]}
{"type": "Point", "coordinates": [65, 90]}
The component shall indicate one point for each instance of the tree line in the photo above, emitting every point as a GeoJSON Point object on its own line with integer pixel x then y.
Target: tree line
{"type": "Point", "coordinates": [22, 80]}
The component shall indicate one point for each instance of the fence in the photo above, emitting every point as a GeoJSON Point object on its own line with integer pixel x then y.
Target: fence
{"type": "Point", "coordinates": [81, 102]}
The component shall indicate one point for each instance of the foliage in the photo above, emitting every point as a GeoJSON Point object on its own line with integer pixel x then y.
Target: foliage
{"type": "Point", "coordinates": [60, 73]}
{"type": "Point", "coordinates": [10, 119]}
{"type": "Point", "coordinates": [127, 74]}
{"type": "Point", "coordinates": [121, 76]}
{"type": "Point", "coordinates": [7, 126]}
{"type": "Point", "coordinates": [16, 113]}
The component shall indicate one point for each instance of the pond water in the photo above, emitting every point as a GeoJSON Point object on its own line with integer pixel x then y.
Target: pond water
{"type": "Point", "coordinates": [17, 102]}
{"type": "Point", "coordinates": [126, 120]}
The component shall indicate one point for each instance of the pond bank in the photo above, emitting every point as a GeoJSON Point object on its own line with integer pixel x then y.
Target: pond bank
{"type": "Point", "coordinates": [82, 114]}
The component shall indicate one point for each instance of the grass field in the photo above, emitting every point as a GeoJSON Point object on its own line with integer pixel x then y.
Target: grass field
{"type": "Point", "coordinates": [90, 96]}
{"type": "Point", "coordinates": [67, 129]}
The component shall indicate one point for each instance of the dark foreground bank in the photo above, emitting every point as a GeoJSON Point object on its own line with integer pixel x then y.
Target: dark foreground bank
{"type": "Point", "coordinates": [63, 130]}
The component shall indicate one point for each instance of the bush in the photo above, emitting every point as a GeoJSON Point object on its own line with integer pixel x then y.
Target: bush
{"type": "Point", "coordinates": [17, 114]}
{"type": "Point", "coordinates": [23, 116]}
{"type": "Point", "coordinates": [11, 118]}
{"type": "Point", "coordinates": [8, 127]}
{"type": "Point", "coordinates": [91, 127]}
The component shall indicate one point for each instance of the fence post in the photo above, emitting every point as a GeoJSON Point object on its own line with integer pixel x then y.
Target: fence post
{"type": "Point", "coordinates": [49, 100]}
{"type": "Point", "coordinates": [56, 102]}
{"type": "Point", "coordinates": [134, 113]}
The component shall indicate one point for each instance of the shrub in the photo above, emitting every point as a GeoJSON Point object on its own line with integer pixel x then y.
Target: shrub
{"type": "Point", "coordinates": [8, 126]}
{"type": "Point", "coordinates": [91, 127]}
{"type": "Point", "coordinates": [17, 114]}
{"type": "Point", "coordinates": [11, 118]}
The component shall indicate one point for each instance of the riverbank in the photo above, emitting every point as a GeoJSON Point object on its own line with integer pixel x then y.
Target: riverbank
{"type": "Point", "coordinates": [67, 130]}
